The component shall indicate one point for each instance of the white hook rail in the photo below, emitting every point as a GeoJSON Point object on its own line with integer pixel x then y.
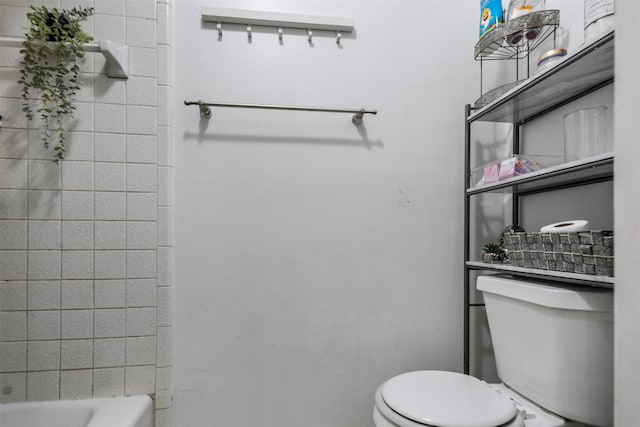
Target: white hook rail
{"type": "Point", "coordinates": [117, 56]}
{"type": "Point", "coordinates": [205, 111]}
{"type": "Point", "coordinates": [277, 20]}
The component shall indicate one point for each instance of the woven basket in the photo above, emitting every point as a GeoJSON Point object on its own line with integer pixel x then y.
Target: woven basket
{"type": "Point", "coordinates": [584, 252]}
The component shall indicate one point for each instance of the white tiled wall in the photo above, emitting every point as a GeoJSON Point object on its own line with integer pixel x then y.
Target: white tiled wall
{"type": "Point", "coordinates": [85, 247]}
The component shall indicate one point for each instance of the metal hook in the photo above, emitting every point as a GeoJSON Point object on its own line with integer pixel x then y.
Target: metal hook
{"type": "Point", "coordinates": [310, 36]}
{"type": "Point", "coordinates": [205, 111]}
{"type": "Point", "coordinates": [338, 37]}
{"type": "Point", "coordinates": [357, 117]}
{"type": "Point", "coordinates": [249, 31]}
{"type": "Point", "coordinates": [280, 32]}
{"type": "Point", "coordinates": [219, 26]}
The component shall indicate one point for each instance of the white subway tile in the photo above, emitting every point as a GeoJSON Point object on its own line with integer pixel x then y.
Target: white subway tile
{"type": "Point", "coordinates": [110, 293]}
{"type": "Point", "coordinates": [110, 147]}
{"type": "Point", "coordinates": [165, 106]}
{"type": "Point", "coordinates": [44, 295]}
{"type": "Point", "coordinates": [142, 120]}
{"type": "Point", "coordinates": [109, 27]}
{"type": "Point", "coordinates": [110, 206]}
{"type": "Point", "coordinates": [43, 325]}
{"type": "Point", "coordinates": [110, 234]}
{"type": "Point", "coordinates": [141, 32]}
{"type": "Point", "coordinates": [141, 264]}
{"type": "Point", "coordinates": [13, 173]}
{"type": "Point", "coordinates": [109, 323]}
{"type": "Point", "coordinates": [12, 115]}
{"type": "Point", "coordinates": [9, 86]}
{"type": "Point", "coordinates": [110, 118]}
{"type": "Point", "coordinates": [77, 175]}
{"type": "Point", "coordinates": [165, 266]}
{"type": "Point", "coordinates": [14, 387]}
{"type": "Point", "coordinates": [77, 264]}
{"type": "Point", "coordinates": [43, 355]}
{"type": "Point", "coordinates": [13, 295]}
{"type": "Point", "coordinates": [142, 177]}
{"type": "Point", "coordinates": [108, 382]}
{"type": "Point", "coordinates": [140, 351]}
{"type": "Point", "coordinates": [13, 265]}
{"type": "Point", "coordinates": [141, 321]}
{"type": "Point", "coordinates": [44, 265]}
{"type": "Point", "coordinates": [44, 204]}
{"type": "Point", "coordinates": [82, 117]}
{"type": "Point", "coordinates": [163, 418]}
{"type": "Point", "coordinates": [141, 207]}
{"type": "Point", "coordinates": [85, 81]}
{"type": "Point", "coordinates": [141, 91]}
{"type": "Point", "coordinates": [76, 294]}
{"type": "Point", "coordinates": [13, 204]}
{"type": "Point", "coordinates": [43, 386]}
{"type": "Point", "coordinates": [110, 264]}
{"type": "Point", "coordinates": [77, 205]}
{"type": "Point", "coordinates": [142, 62]}
{"type": "Point", "coordinates": [77, 235]}
{"type": "Point", "coordinates": [76, 384]}
{"type": "Point", "coordinates": [164, 16]}
{"type": "Point", "coordinates": [13, 20]}
{"type": "Point", "coordinates": [165, 65]}
{"type": "Point", "coordinates": [141, 8]}
{"type": "Point", "coordinates": [142, 148]}
{"type": "Point", "coordinates": [141, 293]}
{"type": "Point", "coordinates": [165, 226]}
{"type": "Point", "coordinates": [163, 388]}
{"type": "Point", "coordinates": [80, 146]}
{"type": "Point", "coordinates": [44, 175]}
{"type": "Point", "coordinates": [36, 147]}
{"type": "Point", "coordinates": [165, 306]}
{"type": "Point", "coordinates": [13, 325]}
{"type": "Point", "coordinates": [76, 354]}
{"type": "Point", "coordinates": [45, 234]}
{"type": "Point", "coordinates": [15, 144]}
{"type": "Point", "coordinates": [141, 235]}
{"type": "Point", "coordinates": [109, 90]}
{"type": "Point", "coordinates": [77, 324]}
{"type": "Point", "coordinates": [108, 352]}
{"type": "Point", "coordinates": [165, 186]}
{"type": "Point", "coordinates": [110, 176]}
{"type": "Point", "coordinates": [165, 346]}
{"type": "Point", "coordinates": [13, 356]}
{"type": "Point", "coordinates": [13, 234]}
{"type": "Point", "coordinates": [109, 7]}
{"type": "Point", "coordinates": [140, 380]}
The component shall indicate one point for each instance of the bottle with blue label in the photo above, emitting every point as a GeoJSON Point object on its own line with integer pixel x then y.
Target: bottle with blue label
{"type": "Point", "coordinates": [491, 15]}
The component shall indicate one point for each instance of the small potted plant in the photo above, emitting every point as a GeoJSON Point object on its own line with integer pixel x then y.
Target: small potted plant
{"type": "Point", "coordinates": [493, 254]}
{"type": "Point", "coordinates": [49, 70]}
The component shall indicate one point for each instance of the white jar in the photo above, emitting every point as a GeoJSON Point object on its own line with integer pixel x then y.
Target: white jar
{"type": "Point", "coordinates": [599, 18]}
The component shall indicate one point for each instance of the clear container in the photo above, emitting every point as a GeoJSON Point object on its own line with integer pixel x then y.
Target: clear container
{"type": "Point", "coordinates": [550, 58]}
{"type": "Point", "coordinates": [599, 18]}
{"type": "Point", "coordinates": [585, 133]}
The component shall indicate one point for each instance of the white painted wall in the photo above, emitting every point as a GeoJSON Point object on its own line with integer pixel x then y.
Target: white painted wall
{"type": "Point", "coordinates": [316, 259]}
{"type": "Point", "coordinates": [627, 214]}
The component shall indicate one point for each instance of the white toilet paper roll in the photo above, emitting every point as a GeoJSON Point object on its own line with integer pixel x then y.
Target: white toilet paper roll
{"type": "Point", "coordinates": [573, 225]}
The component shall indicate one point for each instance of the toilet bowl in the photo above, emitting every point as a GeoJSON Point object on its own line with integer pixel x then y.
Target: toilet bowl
{"type": "Point", "coordinates": [554, 354]}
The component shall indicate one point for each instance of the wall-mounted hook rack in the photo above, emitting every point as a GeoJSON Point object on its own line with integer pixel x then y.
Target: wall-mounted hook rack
{"type": "Point", "coordinates": [277, 20]}
{"type": "Point", "coordinates": [117, 56]}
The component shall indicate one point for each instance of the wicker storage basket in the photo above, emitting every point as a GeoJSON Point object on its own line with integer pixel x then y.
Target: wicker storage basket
{"type": "Point", "coordinates": [584, 252]}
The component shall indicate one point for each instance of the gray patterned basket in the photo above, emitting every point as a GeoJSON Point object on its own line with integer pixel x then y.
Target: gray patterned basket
{"type": "Point", "coordinates": [584, 252]}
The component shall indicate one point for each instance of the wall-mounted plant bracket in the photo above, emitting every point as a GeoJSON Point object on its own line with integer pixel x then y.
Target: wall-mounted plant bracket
{"type": "Point", "coordinates": [117, 56]}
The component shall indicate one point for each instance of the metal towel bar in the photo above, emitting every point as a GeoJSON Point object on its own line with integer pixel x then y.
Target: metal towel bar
{"type": "Point", "coordinates": [205, 111]}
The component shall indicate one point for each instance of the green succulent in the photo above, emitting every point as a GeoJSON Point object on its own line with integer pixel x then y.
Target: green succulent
{"type": "Point", "coordinates": [52, 53]}
{"type": "Point", "coordinates": [492, 248]}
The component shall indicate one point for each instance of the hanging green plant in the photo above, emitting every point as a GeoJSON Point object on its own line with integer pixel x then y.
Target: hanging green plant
{"type": "Point", "coordinates": [50, 67]}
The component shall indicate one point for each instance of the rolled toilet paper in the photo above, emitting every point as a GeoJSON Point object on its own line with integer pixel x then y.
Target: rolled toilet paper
{"type": "Point", "coordinates": [572, 225]}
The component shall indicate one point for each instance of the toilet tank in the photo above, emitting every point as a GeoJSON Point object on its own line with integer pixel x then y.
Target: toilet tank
{"type": "Point", "coordinates": [554, 345]}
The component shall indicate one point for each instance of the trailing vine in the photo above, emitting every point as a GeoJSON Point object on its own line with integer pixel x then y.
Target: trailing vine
{"type": "Point", "coordinates": [52, 53]}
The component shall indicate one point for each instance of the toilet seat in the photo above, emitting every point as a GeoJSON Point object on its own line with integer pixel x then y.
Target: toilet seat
{"type": "Point", "coordinates": [444, 399]}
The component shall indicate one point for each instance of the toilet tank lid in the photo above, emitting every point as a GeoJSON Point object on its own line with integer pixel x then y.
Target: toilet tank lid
{"type": "Point", "coordinates": [554, 296]}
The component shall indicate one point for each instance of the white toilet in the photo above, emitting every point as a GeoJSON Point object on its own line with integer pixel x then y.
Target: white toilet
{"type": "Point", "coordinates": [554, 354]}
